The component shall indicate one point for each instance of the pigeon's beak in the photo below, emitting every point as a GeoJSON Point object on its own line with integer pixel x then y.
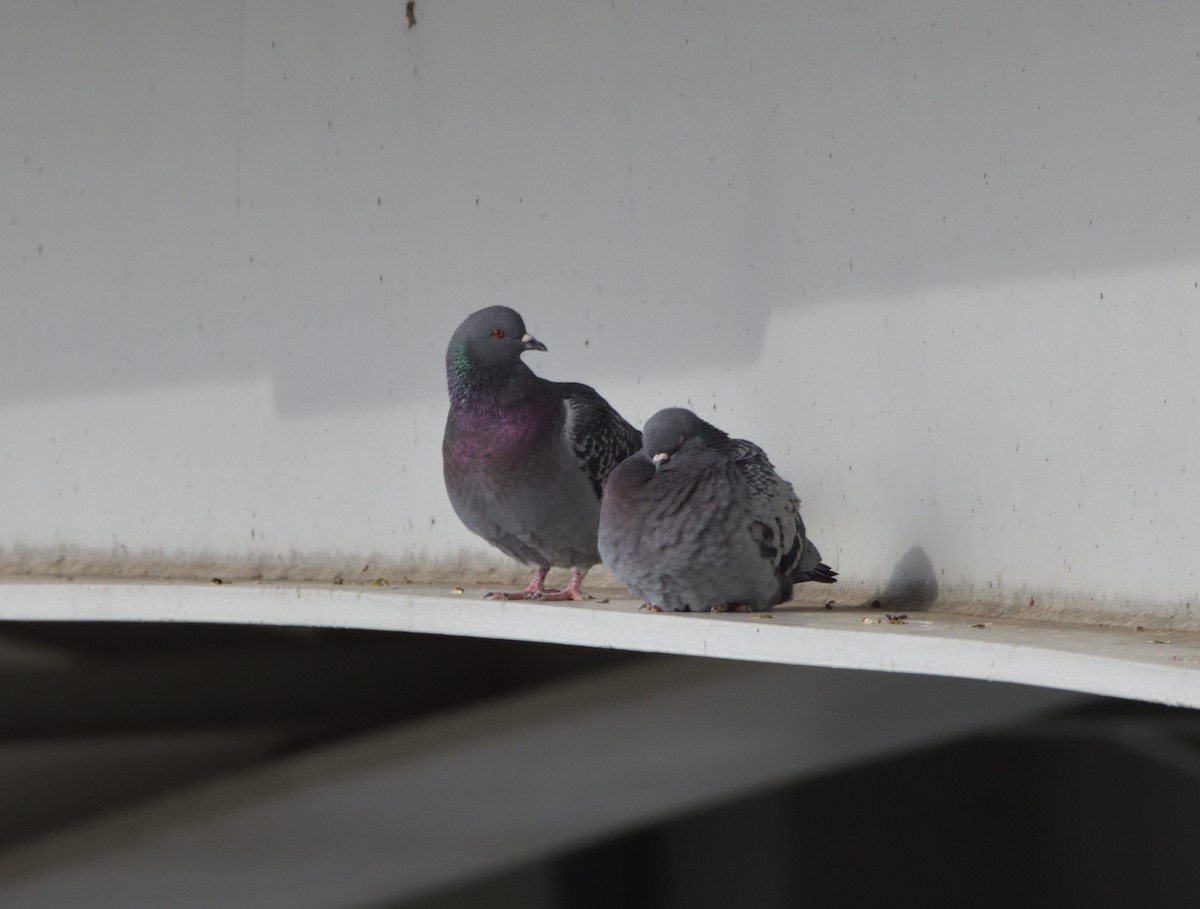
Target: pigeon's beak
{"type": "Point", "coordinates": [532, 343]}
{"type": "Point", "coordinates": [661, 457]}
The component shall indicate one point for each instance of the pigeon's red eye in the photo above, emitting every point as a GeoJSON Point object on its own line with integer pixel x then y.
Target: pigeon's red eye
{"type": "Point", "coordinates": [497, 332]}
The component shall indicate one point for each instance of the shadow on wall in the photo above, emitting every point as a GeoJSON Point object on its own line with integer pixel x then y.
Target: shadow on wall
{"type": "Point", "coordinates": [913, 585]}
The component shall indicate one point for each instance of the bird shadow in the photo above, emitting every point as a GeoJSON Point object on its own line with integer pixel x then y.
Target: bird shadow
{"type": "Point", "coordinates": [912, 587]}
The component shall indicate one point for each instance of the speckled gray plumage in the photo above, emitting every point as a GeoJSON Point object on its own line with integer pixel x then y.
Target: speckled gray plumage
{"type": "Point", "coordinates": [525, 459]}
{"type": "Point", "coordinates": [698, 521]}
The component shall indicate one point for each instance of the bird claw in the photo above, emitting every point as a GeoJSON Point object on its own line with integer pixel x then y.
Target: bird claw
{"type": "Point", "coordinates": [562, 595]}
{"type": "Point", "coordinates": [535, 591]}
{"type": "Point", "coordinates": [730, 607]}
{"type": "Point", "coordinates": [571, 593]}
{"type": "Point", "coordinates": [648, 607]}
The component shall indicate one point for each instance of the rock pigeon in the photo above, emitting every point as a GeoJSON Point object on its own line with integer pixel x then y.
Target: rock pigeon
{"type": "Point", "coordinates": [525, 459]}
{"type": "Point", "coordinates": [697, 521]}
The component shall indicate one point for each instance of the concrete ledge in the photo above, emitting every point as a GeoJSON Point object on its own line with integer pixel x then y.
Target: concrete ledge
{"type": "Point", "coordinates": [1149, 666]}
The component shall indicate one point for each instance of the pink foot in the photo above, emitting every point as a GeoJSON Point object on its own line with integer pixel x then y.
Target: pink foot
{"type": "Point", "coordinates": [571, 592]}
{"type": "Point", "coordinates": [648, 607]}
{"type": "Point", "coordinates": [534, 591]}
{"type": "Point", "coordinates": [730, 607]}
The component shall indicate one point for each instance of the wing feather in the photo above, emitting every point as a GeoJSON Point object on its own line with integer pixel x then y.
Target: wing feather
{"type": "Point", "coordinates": [599, 436]}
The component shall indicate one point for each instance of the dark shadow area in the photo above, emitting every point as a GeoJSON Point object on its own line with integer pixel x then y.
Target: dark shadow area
{"type": "Point", "coordinates": [330, 682]}
{"type": "Point", "coordinates": [1060, 813]}
{"type": "Point", "coordinates": [1094, 806]}
{"type": "Point", "coordinates": [585, 878]}
{"type": "Point", "coordinates": [912, 587]}
{"type": "Point", "coordinates": [281, 690]}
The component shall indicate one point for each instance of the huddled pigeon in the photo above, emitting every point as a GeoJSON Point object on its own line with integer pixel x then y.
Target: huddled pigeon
{"type": "Point", "coordinates": [697, 521]}
{"type": "Point", "coordinates": [525, 459]}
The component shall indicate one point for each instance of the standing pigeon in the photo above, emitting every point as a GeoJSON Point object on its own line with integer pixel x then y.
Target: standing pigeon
{"type": "Point", "coordinates": [525, 459]}
{"type": "Point", "coordinates": [698, 521]}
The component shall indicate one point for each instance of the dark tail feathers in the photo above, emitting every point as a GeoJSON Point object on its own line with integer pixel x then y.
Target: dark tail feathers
{"type": "Point", "coordinates": [822, 574]}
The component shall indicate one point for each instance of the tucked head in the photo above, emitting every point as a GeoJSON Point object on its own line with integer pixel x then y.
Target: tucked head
{"type": "Point", "coordinates": [492, 336]}
{"type": "Point", "coordinates": [675, 429]}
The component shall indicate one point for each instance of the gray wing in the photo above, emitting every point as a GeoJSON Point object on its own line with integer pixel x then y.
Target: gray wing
{"type": "Point", "coordinates": [776, 522]}
{"type": "Point", "coordinates": [598, 435]}
{"type": "Point", "coordinates": [774, 509]}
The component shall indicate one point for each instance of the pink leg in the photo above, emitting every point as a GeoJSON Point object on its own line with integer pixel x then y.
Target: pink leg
{"type": "Point", "coordinates": [571, 592]}
{"type": "Point", "coordinates": [534, 591]}
{"type": "Point", "coordinates": [730, 607]}
{"type": "Point", "coordinates": [649, 607]}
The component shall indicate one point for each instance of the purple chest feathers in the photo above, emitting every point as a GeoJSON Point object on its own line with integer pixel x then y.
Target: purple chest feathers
{"type": "Point", "coordinates": [489, 437]}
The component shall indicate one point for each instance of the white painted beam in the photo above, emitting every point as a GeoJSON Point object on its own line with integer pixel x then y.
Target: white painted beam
{"type": "Point", "coordinates": [1161, 667]}
{"type": "Point", "coordinates": [400, 813]}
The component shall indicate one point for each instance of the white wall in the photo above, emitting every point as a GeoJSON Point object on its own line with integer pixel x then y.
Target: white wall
{"type": "Point", "coordinates": [940, 260]}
